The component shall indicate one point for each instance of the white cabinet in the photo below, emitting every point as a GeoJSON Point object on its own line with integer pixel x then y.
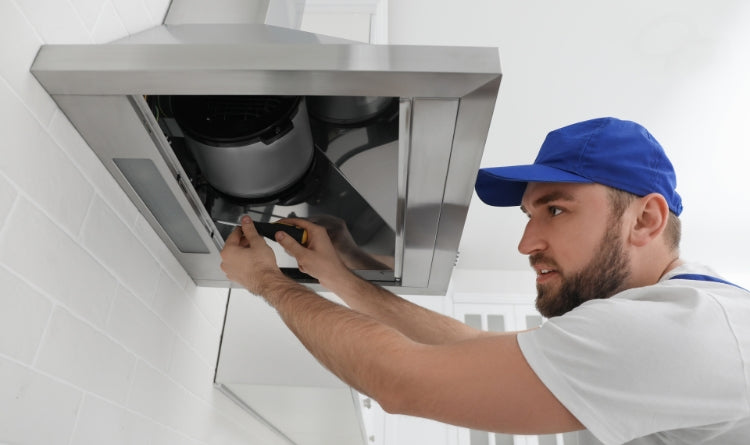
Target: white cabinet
{"type": "Point", "coordinates": [268, 371]}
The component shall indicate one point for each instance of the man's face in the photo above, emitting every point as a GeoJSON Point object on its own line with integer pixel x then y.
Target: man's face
{"type": "Point", "coordinates": [574, 244]}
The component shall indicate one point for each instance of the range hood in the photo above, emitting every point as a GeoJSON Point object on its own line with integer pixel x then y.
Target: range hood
{"type": "Point", "coordinates": [397, 134]}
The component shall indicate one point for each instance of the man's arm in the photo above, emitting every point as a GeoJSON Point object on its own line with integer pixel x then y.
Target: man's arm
{"type": "Point", "coordinates": [320, 260]}
{"type": "Point", "coordinates": [482, 382]}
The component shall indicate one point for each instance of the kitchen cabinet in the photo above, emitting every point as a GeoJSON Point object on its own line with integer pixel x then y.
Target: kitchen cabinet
{"type": "Point", "coordinates": [265, 369]}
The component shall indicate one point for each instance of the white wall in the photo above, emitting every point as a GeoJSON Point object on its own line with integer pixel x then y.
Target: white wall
{"type": "Point", "coordinates": [103, 337]}
{"type": "Point", "coordinates": [680, 67]}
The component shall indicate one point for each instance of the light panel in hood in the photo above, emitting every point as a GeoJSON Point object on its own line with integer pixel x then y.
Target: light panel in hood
{"type": "Point", "coordinates": [404, 177]}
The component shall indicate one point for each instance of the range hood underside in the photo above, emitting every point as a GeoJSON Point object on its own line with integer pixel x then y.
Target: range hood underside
{"type": "Point", "coordinates": [447, 96]}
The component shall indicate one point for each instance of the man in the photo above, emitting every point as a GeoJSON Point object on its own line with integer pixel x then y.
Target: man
{"type": "Point", "coordinates": [639, 347]}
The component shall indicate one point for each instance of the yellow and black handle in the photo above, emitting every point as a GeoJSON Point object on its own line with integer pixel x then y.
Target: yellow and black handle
{"type": "Point", "coordinates": [269, 229]}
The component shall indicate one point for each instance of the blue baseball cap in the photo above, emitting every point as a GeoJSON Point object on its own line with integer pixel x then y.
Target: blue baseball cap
{"type": "Point", "coordinates": [608, 151]}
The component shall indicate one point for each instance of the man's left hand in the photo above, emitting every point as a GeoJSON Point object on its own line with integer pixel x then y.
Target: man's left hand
{"type": "Point", "coordinates": [247, 259]}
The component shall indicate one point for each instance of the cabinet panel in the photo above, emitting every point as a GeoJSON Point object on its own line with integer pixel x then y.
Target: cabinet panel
{"type": "Point", "coordinates": [266, 370]}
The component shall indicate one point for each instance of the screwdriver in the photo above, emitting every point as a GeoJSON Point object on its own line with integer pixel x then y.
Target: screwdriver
{"type": "Point", "coordinates": [269, 229]}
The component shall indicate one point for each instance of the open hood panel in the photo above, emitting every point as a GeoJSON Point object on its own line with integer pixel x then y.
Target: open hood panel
{"type": "Point", "coordinates": [396, 134]}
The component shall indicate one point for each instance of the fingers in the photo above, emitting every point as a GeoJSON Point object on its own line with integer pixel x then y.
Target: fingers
{"type": "Point", "coordinates": [248, 229]}
{"type": "Point", "coordinates": [314, 231]}
{"type": "Point", "coordinates": [299, 222]}
{"type": "Point", "coordinates": [289, 244]}
{"type": "Point", "coordinates": [234, 237]}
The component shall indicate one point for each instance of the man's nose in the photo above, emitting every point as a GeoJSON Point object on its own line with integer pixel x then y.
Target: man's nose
{"type": "Point", "coordinates": [531, 241]}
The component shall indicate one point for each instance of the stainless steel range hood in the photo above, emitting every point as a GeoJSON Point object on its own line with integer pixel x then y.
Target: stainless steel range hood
{"type": "Point", "coordinates": [401, 182]}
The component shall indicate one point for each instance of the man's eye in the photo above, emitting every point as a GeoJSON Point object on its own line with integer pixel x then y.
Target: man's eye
{"type": "Point", "coordinates": [554, 211]}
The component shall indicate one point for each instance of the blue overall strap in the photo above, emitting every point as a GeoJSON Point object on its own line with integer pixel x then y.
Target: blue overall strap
{"type": "Point", "coordinates": [699, 277]}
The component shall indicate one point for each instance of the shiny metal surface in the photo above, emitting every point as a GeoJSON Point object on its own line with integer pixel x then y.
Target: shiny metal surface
{"type": "Point", "coordinates": [407, 185]}
{"type": "Point", "coordinates": [288, 65]}
{"type": "Point", "coordinates": [216, 11]}
{"type": "Point", "coordinates": [287, 13]}
{"type": "Point", "coordinates": [347, 110]}
{"type": "Point", "coordinates": [257, 169]}
{"type": "Point", "coordinates": [404, 149]}
{"type": "Point", "coordinates": [432, 128]}
{"type": "Point", "coordinates": [459, 184]}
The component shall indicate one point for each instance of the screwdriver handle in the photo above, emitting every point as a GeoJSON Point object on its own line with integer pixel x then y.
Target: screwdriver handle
{"type": "Point", "coordinates": [269, 229]}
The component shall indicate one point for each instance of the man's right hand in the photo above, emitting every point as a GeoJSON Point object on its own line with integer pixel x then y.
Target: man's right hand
{"type": "Point", "coordinates": [319, 258]}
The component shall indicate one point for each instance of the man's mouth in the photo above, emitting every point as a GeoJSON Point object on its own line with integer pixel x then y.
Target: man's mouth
{"type": "Point", "coordinates": [545, 268]}
{"type": "Point", "coordinates": [545, 274]}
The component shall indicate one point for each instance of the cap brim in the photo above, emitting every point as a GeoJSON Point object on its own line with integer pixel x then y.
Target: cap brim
{"type": "Point", "coordinates": [504, 186]}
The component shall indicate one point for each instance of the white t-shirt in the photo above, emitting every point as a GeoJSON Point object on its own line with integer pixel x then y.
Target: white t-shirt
{"type": "Point", "coordinates": [662, 364]}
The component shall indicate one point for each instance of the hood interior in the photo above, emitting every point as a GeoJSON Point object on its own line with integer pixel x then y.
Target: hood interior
{"type": "Point", "coordinates": [345, 148]}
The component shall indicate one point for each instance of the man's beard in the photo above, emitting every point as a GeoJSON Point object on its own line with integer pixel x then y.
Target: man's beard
{"type": "Point", "coordinates": [602, 277]}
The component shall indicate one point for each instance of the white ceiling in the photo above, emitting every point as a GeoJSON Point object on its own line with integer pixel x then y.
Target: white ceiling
{"type": "Point", "coordinates": [679, 67]}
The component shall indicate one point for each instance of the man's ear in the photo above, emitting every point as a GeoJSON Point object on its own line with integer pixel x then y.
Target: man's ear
{"type": "Point", "coordinates": [650, 219]}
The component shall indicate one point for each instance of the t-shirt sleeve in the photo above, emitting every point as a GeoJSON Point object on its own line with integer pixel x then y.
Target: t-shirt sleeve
{"type": "Point", "coordinates": [627, 368]}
